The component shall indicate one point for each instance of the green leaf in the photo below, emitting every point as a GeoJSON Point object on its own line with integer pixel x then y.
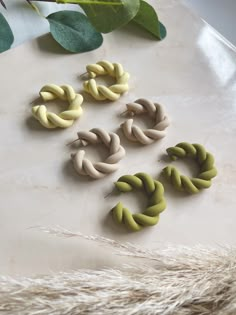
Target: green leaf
{"type": "Point", "coordinates": [106, 18]}
{"type": "Point", "coordinates": [73, 31]}
{"type": "Point", "coordinates": [163, 30]}
{"type": "Point", "coordinates": [105, 2]}
{"type": "Point", "coordinates": [148, 19]}
{"type": "Point", "coordinates": [6, 35]}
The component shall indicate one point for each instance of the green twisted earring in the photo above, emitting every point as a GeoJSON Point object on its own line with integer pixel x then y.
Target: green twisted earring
{"type": "Point", "coordinates": [202, 157]}
{"type": "Point", "coordinates": [156, 201]}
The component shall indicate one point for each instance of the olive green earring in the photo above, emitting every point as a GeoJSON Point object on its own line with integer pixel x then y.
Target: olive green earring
{"type": "Point", "coordinates": [156, 201]}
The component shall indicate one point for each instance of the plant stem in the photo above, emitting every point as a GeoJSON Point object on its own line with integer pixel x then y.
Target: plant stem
{"type": "Point", "coordinates": [82, 2]}
{"type": "Point", "coordinates": [3, 4]}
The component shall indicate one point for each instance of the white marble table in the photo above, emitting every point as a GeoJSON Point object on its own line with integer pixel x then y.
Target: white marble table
{"type": "Point", "coordinates": [219, 14]}
{"type": "Point", "coordinates": [192, 72]}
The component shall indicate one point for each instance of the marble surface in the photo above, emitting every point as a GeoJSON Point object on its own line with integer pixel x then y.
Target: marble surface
{"type": "Point", "coordinates": [192, 73]}
{"type": "Point", "coordinates": [219, 14]}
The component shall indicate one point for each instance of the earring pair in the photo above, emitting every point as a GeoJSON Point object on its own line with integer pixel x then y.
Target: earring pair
{"type": "Point", "coordinates": [66, 93]}
{"type": "Point", "coordinates": [155, 190]}
{"type": "Point", "coordinates": [112, 141]}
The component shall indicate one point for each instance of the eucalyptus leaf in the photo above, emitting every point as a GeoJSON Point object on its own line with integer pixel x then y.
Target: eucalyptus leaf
{"type": "Point", "coordinates": [163, 31]}
{"type": "Point", "coordinates": [6, 35]}
{"type": "Point", "coordinates": [73, 31]}
{"type": "Point", "coordinates": [106, 18]}
{"type": "Point", "coordinates": [147, 18]}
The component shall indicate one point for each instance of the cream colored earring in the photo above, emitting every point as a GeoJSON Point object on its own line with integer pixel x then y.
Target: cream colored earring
{"type": "Point", "coordinates": [148, 136]}
{"type": "Point", "coordinates": [99, 169]}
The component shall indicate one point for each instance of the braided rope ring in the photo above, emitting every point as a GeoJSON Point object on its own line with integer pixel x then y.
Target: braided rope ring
{"type": "Point", "coordinates": [202, 157]}
{"type": "Point", "coordinates": [156, 203]}
{"type": "Point", "coordinates": [148, 136]}
{"type": "Point", "coordinates": [102, 92]}
{"type": "Point", "coordinates": [99, 169]}
{"type": "Point", "coordinates": [64, 119]}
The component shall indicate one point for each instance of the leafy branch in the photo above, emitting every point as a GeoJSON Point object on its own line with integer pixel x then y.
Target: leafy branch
{"type": "Point", "coordinates": [88, 2]}
{"type": "Point", "coordinates": [77, 32]}
{"type": "Point", "coordinates": [92, 2]}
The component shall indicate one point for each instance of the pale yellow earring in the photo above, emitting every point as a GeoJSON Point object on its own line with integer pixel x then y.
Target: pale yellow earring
{"type": "Point", "coordinates": [64, 119]}
{"type": "Point", "coordinates": [102, 92]}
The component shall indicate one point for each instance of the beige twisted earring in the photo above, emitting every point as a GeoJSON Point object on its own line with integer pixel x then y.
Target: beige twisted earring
{"type": "Point", "coordinates": [148, 136]}
{"type": "Point", "coordinates": [99, 169]}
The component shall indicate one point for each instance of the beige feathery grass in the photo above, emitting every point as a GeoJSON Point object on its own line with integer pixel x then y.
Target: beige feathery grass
{"type": "Point", "coordinates": [173, 281]}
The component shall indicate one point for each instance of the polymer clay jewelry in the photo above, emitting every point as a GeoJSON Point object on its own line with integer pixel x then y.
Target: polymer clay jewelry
{"type": "Point", "coordinates": [99, 169]}
{"type": "Point", "coordinates": [102, 92]}
{"type": "Point", "coordinates": [203, 158]}
{"type": "Point", "coordinates": [156, 201]}
{"type": "Point", "coordinates": [64, 119]}
{"type": "Point", "coordinates": [148, 136]}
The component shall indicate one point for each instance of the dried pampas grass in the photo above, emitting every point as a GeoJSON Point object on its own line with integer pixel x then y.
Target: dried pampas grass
{"type": "Point", "coordinates": [182, 281]}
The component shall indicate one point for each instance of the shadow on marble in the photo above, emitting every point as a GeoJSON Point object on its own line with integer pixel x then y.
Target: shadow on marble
{"type": "Point", "coordinates": [164, 158]}
{"type": "Point", "coordinates": [70, 173]}
{"type": "Point", "coordinates": [110, 227]}
{"type": "Point", "coordinates": [88, 99]}
{"type": "Point", "coordinates": [35, 126]}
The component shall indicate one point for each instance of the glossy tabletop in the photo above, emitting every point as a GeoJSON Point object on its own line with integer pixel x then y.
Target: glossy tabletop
{"type": "Point", "coordinates": [192, 73]}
